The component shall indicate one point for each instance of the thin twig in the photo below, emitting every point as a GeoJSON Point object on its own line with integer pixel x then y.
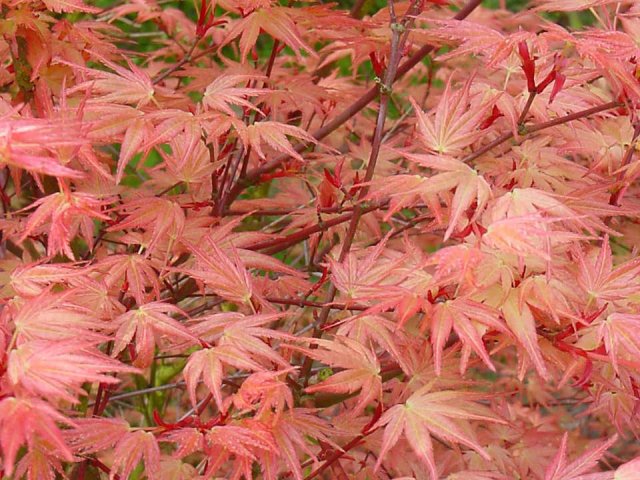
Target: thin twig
{"type": "Point", "coordinates": [299, 302]}
{"type": "Point", "coordinates": [338, 454]}
{"type": "Point", "coordinates": [174, 68]}
{"type": "Point", "coordinates": [274, 246]}
{"type": "Point", "coordinates": [527, 107]}
{"type": "Point", "coordinates": [616, 197]}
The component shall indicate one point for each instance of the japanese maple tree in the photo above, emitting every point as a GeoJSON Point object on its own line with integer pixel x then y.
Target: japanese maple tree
{"type": "Point", "coordinates": [293, 239]}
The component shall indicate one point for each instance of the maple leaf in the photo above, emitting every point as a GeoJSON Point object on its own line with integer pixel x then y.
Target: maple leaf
{"type": "Point", "coordinates": [187, 440]}
{"type": "Point", "coordinates": [93, 435]}
{"type": "Point", "coordinates": [276, 21]}
{"type": "Point", "coordinates": [67, 213]}
{"type": "Point", "coordinates": [32, 279]}
{"type": "Point", "coordinates": [601, 280]}
{"type": "Point", "coordinates": [131, 273]}
{"type": "Point", "coordinates": [133, 447]}
{"type": "Point", "coordinates": [264, 393]}
{"type": "Point", "coordinates": [224, 274]}
{"type": "Point", "coordinates": [520, 223]}
{"type": "Point", "coordinates": [60, 6]}
{"type": "Point", "coordinates": [619, 333]}
{"type": "Point", "coordinates": [470, 320]}
{"type": "Point", "coordinates": [440, 413]}
{"type": "Point", "coordinates": [403, 191]}
{"type": "Point", "coordinates": [189, 160]}
{"type": "Point", "coordinates": [574, 213]}
{"type": "Point", "coordinates": [368, 274]}
{"type": "Point", "coordinates": [222, 92]}
{"type": "Point", "coordinates": [145, 323]}
{"type": "Point", "coordinates": [558, 469]}
{"type": "Point", "coordinates": [470, 187]}
{"type": "Point", "coordinates": [477, 475]}
{"type": "Point", "coordinates": [528, 235]}
{"type": "Point", "coordinates": [628, 471]}
{"type": "Point", "coordinates": [109, 121]}
{"type": "Point", "coordinates": [620, 73]}
{"type": "Point", "coordinates": [475, 38]}
{"type": "Point", "coordinates": [457, 263]}
{"type": "Point", "coordinates": [172, 469]}
{"type": "Point", "coordinates": [361, 369]}
{"type": "Point", "coordinates": [573, 5]}
{"type": "Point", "coordinates": [160, 217]}
{"type": "Point", "coordinates": [136, 132]}
{"type": "Point", "coordinates": [540, 166]}
{"type": "Point", "coordinates": [274, 134]}
{"type": "Point", "coordinates": [520, 321]}
{"type": "Point", "coordinates": [375, 328]}
{"type": "Point", "coordinates": [242, 242]}
{"type": "Point", "coordinates": [209, 364]}
{"type": "Point", "coordinates": [244, 334]}
{"type": "Point", "coordinates": [28, 421]}
{"type": "Point", "coordinates": [26, 144]}
{"type": "Point", "coordinates": [262, 261]}
{"type": "Point", "coordinates": [131, 86]}
{"type": "Point", "coordinates": [170, 122]}
{"type": "Point", "coordinates": [40, 463]}
{"type": "Point", "coordinates": [242, 442]}
{"type": "Point", "coordinates": [455, 123]}
{"type": "Point", "coordinates": [57, 370]}
{"type": "Point", "coordinates": [548, 294]}
{"type": "Point", "coordinates": [53, 317]}
{"type": "Point", "coordinates": [292, 433]}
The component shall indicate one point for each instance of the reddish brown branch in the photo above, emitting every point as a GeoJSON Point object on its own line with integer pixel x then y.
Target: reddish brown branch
{"type": "Point", "coordinates": [174, 68]}
{"type": "Point", "coordinates": [398, 40]}
{"type": "Point", "coordinates": [338, 454]}
{"type": "Point", "coordinates": [299, 302]}
{"type": "Point", "coordinates": [541, 126]}
{"type": "Point", "coordinates": [254, 175]}
{"type": "Point", "coordinates": [357, 8]}
{"type": "Point", "coordinates": [276, 245]}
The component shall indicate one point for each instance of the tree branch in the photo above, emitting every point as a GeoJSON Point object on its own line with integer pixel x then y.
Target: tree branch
{"type": "Point", "coordinates": [541, 126]}
{"type": "Point", "coordinates": [398, 40]}
{"type": "Point", "coordinates": [276, 245]}
{"type": "Point", "coordinates": [254, 174]}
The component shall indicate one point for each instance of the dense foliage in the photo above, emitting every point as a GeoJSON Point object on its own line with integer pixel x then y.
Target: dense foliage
{"type": "Point", "coordinates": [294, 240]}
